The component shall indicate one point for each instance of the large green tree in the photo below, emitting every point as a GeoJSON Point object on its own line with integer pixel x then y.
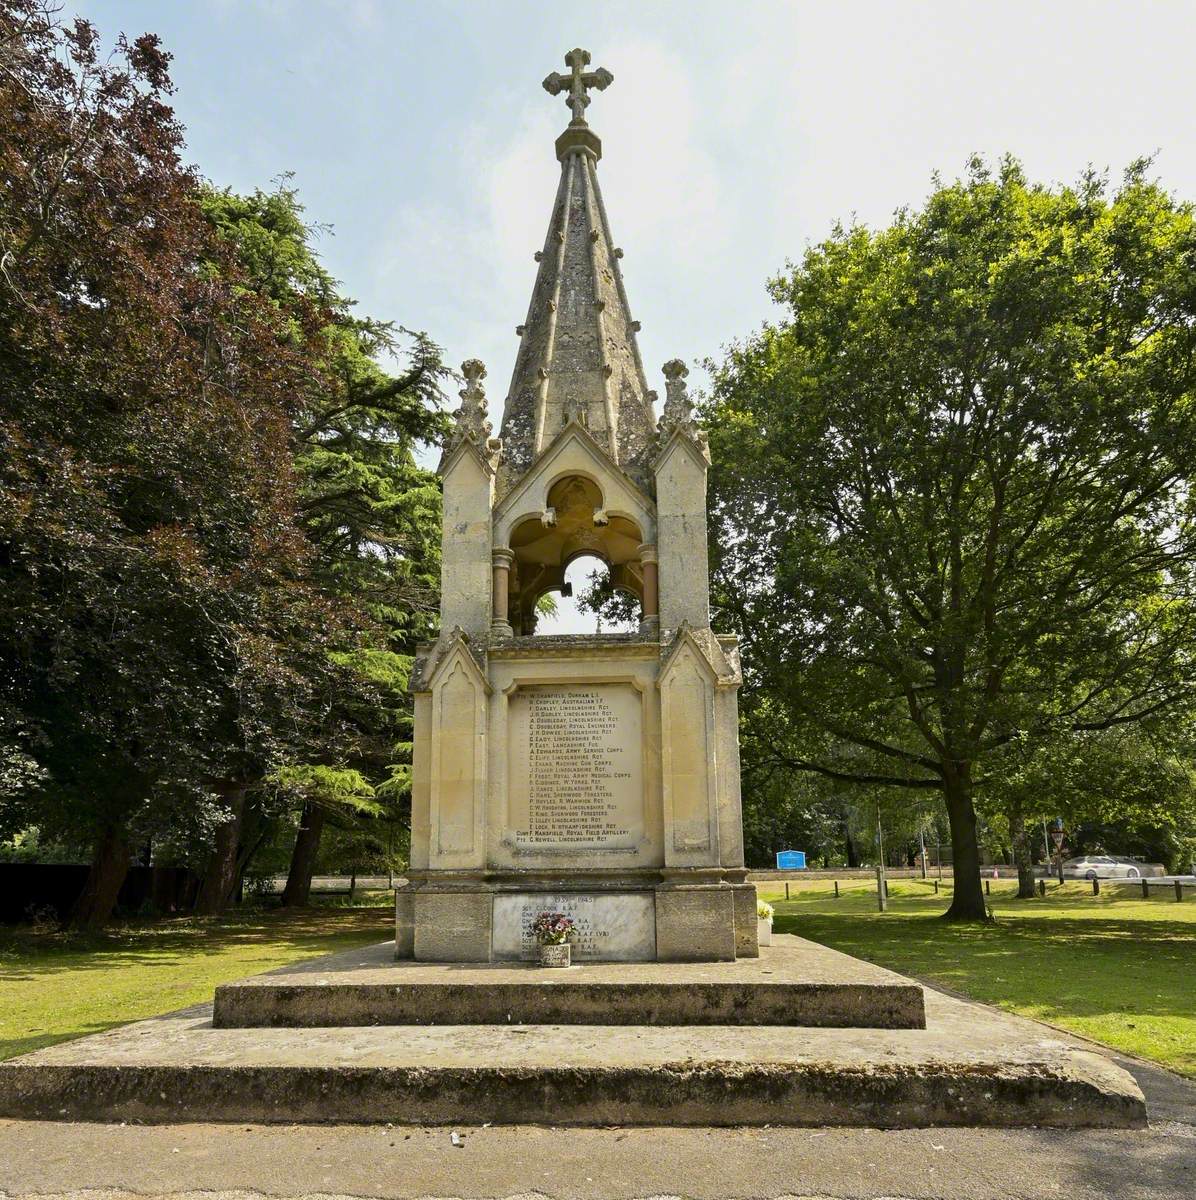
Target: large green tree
{"type": "Point", "coordinates": [162, 628]}
{"type": "Point", "coordinates": [951, 491]}
{"type": "Point", "coordinates": [368, 508]}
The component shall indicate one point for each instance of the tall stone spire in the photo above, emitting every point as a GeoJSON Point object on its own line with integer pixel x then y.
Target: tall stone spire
{"type": "Point", "coordinates": [578, 356]}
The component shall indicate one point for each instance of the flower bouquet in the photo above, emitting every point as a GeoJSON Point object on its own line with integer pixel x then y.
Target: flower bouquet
{"type": "Point", "coordinates": [552, 932]}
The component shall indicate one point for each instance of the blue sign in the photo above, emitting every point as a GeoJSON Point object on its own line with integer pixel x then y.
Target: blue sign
{"type": "Point", "coordinates": [791, 860]}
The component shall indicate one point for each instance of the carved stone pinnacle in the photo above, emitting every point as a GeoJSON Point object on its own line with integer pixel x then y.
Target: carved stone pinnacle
{"type": "Point", "coordinates": [678, 407]}
{"type": "Point", "coordinates": [470, 420]}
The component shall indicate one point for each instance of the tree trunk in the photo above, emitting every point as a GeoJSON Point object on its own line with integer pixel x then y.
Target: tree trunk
{"type": "Point", "coordinates": [303, 857]}
{"type": "Point", "coordinates": [967, 901]}
{"type": "Point", "coordinates": [1021, 851]}
{"type": "Point", "coordinates": [220, 879]}
{"type": "Point", "coordinates": [109, 866]}
{"type": "Point", "coordinates": [853, 859]}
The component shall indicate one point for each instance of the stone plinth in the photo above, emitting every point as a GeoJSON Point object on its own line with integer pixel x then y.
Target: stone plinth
{"type": "Point", "coordinates": [793, 983]}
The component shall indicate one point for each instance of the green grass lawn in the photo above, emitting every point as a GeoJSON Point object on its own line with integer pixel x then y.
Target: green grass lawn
{"type": "Point", "coordinates": [55, 986]}
{"type": "Point", "coordinates": [1118, 970]}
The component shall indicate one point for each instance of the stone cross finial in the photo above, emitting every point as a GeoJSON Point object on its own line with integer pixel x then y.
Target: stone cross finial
{"type": "Point", "coordinates": [577, 83]}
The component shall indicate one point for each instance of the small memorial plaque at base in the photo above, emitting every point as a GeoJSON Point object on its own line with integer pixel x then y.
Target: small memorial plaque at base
{"type": "Point", "coordinates": [617, 927]}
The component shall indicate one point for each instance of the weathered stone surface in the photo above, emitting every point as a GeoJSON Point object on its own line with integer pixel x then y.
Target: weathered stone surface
{"type": "Point", "coordinates": [695, 924]}
{"type": "Point", "coordinates": [578, 353]}
{"type": "Point", "coordinates": [404, 924]}
{"type": "Point", "coordinates": [793, 983]}
{"type": "Point", "coordinates": [746, 943]}
{"type": "Point", "coordinates": [452, 926]}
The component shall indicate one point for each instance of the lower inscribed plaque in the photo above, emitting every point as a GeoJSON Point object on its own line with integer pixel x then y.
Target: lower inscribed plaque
{"type": "Point", "coordinates": [609, 927]}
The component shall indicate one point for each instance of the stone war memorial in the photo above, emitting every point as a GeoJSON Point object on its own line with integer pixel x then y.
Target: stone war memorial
{"type": "Point", "coordinates": [594, 775]}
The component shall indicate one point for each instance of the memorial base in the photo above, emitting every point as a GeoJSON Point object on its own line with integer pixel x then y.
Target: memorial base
{"type": "Point", "coordinates": [801, 1035]}
{"type": "Point", "coordinates": [702, 915]}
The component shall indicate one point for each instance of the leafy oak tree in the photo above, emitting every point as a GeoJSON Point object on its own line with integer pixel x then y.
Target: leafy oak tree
{"type": "Point", "coordinates": [951, 489]}
{"type": "Point", "coordinates": [1136, 779]}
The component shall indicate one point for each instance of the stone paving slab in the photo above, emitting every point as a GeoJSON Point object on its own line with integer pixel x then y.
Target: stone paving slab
{"type": "Point", "coordinates": [969, 1066]}
{"type": "Point", "coordinates": [794, 982]}
{"type": "Point", "coordinates": [238, 1162]}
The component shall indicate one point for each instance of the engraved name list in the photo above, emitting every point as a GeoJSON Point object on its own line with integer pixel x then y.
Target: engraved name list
{"type": "Point", "coordinates": [580, 751]}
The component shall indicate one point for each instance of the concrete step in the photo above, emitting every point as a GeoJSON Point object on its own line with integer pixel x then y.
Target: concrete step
{"type": "Point", "coordinates": [181, 1069]}
{"type": "Point", "coordinates": [794, 982]}
{"type": "Point", "coordinates": [968, 1066]}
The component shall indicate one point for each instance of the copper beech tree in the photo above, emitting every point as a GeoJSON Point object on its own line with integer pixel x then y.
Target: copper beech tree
{"type": "Point", "coordinates": [952, 487]}
{"type": "Point", "coordinates": [164, 636]}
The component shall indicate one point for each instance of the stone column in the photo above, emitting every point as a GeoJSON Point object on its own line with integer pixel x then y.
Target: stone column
{"type": "Point", "coordinates": [650, 617]}
{"type": "Point", "coordinates": [503, 559]}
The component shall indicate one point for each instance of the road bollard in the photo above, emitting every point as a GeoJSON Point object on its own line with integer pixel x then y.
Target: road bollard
{"type": "Point", "coordinates": [1145, 889]}
{"type": "Point", "coordinates": [1095, 886]}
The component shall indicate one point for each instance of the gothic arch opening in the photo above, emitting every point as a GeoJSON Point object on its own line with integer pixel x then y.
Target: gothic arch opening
{"type": "Point", "coordinates": [575, 526]}
{"type": "Point", "coordinates": [587, 582]}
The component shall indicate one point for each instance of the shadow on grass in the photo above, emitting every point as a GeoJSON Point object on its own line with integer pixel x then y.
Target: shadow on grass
{"type": "Point", "coordinates": [26, 954]}
{"type": "Point", "coordinates": [57, 986]}
{"type": "Point", "coordinates": [1061, 966]}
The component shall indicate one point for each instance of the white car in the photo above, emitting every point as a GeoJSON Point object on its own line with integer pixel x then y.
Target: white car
{"type": "Point", "coordinates": [1102, 866]}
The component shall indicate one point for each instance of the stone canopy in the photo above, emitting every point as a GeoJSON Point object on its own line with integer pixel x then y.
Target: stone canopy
{"type": "Point", "coordinates": [593, 775]}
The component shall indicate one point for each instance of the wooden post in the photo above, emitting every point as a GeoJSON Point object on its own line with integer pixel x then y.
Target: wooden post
{"type": "Point", "coordinates": [1145, 889]}
{"type": "Point", "coordinates": [786, 891]}
{"type": "Point", "coordinates": [987, 888]}
{"type": "Point", "coordinates": [1095, 886]}
{"type": "Point", "coordinates": [936, 887]}
{"type": "Point", "coordinates": [1042, 887]}
{"type": "Point", "coordinates": [882, 884]}
{"type": "Point", "coordinates": [836, 889]}
{"type": "Point", "coordinates": [1179, 890]}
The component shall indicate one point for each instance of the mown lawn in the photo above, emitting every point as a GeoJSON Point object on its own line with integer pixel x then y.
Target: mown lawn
{"type": "Point", "coordinates": [1118, 970]}
{"type": "Point", "coordinates": [55, 986]}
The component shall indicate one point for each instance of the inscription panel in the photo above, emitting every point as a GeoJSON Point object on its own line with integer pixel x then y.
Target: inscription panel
{"type": "Point", "coordinates": [614, 927]}
{"type": "Point", "coordinates": [576, 769]}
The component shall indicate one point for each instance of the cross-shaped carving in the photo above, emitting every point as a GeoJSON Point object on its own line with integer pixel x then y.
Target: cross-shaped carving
{"type": "Point", "coordinates": [577, 83]}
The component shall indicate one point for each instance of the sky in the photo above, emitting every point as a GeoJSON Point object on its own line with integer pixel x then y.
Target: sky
{"type": "Point", "coordinates": [735, 134]}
